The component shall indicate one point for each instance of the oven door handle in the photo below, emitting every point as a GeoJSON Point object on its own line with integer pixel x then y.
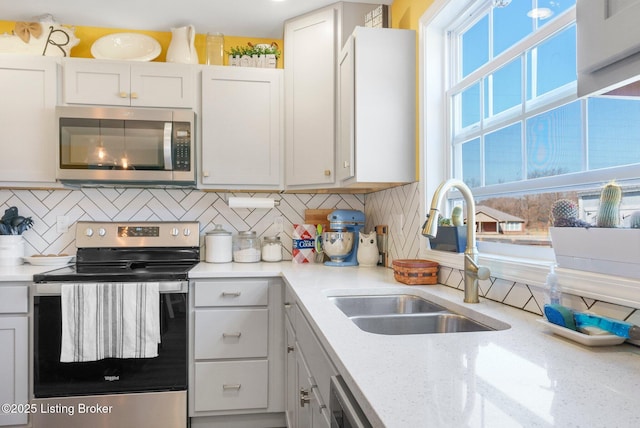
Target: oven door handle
{"type": "Point", "coordinates": [55, 288]}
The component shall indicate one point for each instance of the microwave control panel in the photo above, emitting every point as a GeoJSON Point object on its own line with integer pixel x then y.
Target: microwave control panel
{"type": "Point", "coordinates": [181, 146]}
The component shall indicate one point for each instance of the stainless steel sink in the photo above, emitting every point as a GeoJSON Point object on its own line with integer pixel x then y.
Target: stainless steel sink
{"type": "Point", "coordinates": [418, 324]}
{"type": "Point", "coordinates": [396, 314]}
{"type": "Point", "coordinates": [384, 305]}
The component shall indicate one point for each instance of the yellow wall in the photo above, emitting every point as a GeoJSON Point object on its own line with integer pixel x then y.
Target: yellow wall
{"type": "Point", "coordinates": [406, 14]}
{"type": "Point", "coordinates": [88, 35]}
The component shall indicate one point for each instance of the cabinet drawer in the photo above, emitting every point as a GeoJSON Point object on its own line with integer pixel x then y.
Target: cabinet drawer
{"type": "Point", "coordinates": [14, 299]}
{"type": "Point", "coordinates": [231, 385]}
{"type": "Point", "coordinates": [231, 333]}
{"type": "Point", "coordinates": [232, 293]}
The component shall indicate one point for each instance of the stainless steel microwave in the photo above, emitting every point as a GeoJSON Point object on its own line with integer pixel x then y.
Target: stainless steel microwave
{"type": "Point", "coordinates": [110, 145]}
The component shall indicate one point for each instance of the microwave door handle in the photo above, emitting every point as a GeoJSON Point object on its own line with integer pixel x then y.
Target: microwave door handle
{"type": "Point", "coordinates": [166, 145]}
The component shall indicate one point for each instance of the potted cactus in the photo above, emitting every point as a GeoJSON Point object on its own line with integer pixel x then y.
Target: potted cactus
{"type": "Point", "coordinates": [452, 234]}
{"type": "Point", "coordinates": [603, 247]}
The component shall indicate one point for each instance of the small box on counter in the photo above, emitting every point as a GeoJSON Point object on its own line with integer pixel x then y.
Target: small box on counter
{"type": "Point", "coordinates": [304, 243]}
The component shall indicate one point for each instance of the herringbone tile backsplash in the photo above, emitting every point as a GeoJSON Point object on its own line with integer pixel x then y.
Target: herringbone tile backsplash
{"type": "Point", "coordinates": [134, 204]}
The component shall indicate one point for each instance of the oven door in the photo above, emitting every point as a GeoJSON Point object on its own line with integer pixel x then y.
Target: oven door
{"type": "Point", "coordinates": [166, 372]}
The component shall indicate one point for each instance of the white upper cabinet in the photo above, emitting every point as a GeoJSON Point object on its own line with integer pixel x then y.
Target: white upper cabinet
{"type": "Point", "coordinates": [376, 106]}
{"type": "Point", "coordinates": [310, 44]}
{"type": "Point", "coordinates": [28, 138]}
{"type": "Point", "coordinates": [608, 44]}
{"type": "Point", "coordinates": [151, 84]}
{"type": "Point", "coordinates": [242, 128]}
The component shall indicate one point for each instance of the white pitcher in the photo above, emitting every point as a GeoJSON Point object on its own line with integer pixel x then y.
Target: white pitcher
{"type": "Point", "coordinates": [182, 48]}
{"type": "Point", "coordinates": [368, 254]}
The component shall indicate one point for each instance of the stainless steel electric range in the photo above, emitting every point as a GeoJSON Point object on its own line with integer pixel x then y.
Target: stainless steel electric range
{"type": "Point", "coordinates": [113, 388]}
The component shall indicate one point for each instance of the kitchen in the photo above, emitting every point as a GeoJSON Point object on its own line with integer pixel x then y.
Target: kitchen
{"type": "Point", "coordinates": [401, 208]}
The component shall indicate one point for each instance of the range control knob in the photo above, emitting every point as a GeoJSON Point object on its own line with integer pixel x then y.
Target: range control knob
{"type": "Point", "coordinates": [102, 231]}
{"type": "Point", "coordinates": [175, 231]}
{"type": "Point", "coordinates": [88, 232]}
{"type": "Point", "coordinates": [187, 231]}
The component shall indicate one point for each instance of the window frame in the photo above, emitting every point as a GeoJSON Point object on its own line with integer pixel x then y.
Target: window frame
{"type": "Point", "coordinates": [524, 264]}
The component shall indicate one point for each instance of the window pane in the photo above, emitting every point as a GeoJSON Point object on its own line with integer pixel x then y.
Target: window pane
{"type": "Point", "coordinates": [548, 10]}
{"type": "Point", "coordinates": [503, 88]}
{"type": "Point", "coordinates": [469, 101]}
{"type": "Point", "coordinates": [475, 46]}
{"type": "Point", "coordinates": [552, 64]}
{"type": "Point", "coordinates": [471, 163]}
{"type": "Point", "coordinates": [614, 132]}
{"type": "Point", "coordinates": [554, 142]}
{"type": "Point", "coordinates": [503, 155]}
{"type": "Point", "coordinates": [510, 25]}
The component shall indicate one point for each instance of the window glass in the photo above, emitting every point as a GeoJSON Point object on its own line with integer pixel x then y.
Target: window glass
{"type": "Point", "coordinates": [503, 88]}
{"type": "Point", "coordinates": [554, 142]}
{"type": "Point", "coordinates": [552, 64]}
{"type": "Point", "coordinates": [471, 163]}
{"type": "Point", "coordinates": [546, 10]}
{"type": "Point", "coordinates": [469, 101]}
{"type": "Point", "coordinates": [614, 132]}
{"type": "Point", "coordinates": [510, 25]}
{"type": "Point", "coordinates": [475, 46]}
{"type": "Point", "coordinates": [503, 155]}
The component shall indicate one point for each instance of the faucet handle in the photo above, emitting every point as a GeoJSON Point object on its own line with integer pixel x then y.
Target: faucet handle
{"type": "Point", "coordinates": [483, 273]}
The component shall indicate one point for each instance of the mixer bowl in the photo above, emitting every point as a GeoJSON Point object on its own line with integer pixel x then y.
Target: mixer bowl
{"type": "Point", "coordinates": [337, 245]}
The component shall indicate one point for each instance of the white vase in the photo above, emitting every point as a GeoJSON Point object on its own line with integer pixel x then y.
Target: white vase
{"type": "Point", "coordinates": [11, 250]}
{"type": "Point", "coordinates": [368, 249]}
{"type": "Point", "coordinates": [182, 48]}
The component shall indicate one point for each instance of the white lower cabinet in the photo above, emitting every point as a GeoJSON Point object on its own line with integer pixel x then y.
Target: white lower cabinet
{"type": "Point", "coordinates": [14, 338]}
{"type": "Point", "coordinates": [308, 373]}
{"type": "Point", "coordinates": [236, 362]}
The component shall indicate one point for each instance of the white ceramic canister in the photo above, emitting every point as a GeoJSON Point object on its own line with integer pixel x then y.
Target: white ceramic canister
{"type": "Point", "coordinates": [218, 245]}
{"type": "Point", "coordinates": [11, 250]}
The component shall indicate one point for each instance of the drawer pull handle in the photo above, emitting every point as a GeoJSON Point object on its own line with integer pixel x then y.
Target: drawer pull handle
{"type": "Point", "coordinates": [304, 397]}
{"type": "Point", "coordinates": [231, 386]}
{"type": "Point", "coordinates": [290, 349]}
{"type": "Point", "coordinates": [236, 335]}
{"type": "Point", "coordinates": [231, 294]}
{"type": "Point", "coordinates": [287, 305]}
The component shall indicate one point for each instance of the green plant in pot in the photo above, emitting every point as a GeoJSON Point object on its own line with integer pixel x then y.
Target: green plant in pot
{"type": "Point", "coordinates": [452, 234]}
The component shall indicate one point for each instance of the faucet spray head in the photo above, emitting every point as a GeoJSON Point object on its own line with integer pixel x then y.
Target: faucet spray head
{"type": "Point", "coordinates": [430, 227]}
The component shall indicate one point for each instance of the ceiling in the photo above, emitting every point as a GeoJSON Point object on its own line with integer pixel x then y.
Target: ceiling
{"type": "Point", "coordinates": [250, 18]}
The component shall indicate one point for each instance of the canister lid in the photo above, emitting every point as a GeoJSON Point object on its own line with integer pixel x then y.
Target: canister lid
{"type": "Point", "coordinates": [218, 230]}
{"type": "Point", "coordinates": [247, 234]}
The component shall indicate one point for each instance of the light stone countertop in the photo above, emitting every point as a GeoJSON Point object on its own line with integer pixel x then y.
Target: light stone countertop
{"type": "Point", "coordinates": [23, 272]}
{"type": "Point", "coordinates": [522, 376]}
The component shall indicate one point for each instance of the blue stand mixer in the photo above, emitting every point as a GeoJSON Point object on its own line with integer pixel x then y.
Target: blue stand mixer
{"type": "Point", "coordinates": [341, 242]}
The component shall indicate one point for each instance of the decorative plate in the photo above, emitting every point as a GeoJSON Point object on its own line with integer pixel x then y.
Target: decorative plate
{"type": "Point", "coordinates": [585, 339]}
{"type": "Point", "coordinates": [48, 260]}
{"type": "Point", "coordinates": [126, 46]}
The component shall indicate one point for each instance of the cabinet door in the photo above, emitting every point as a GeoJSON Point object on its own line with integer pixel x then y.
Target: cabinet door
{"type": "Point", "coordinates": [96, 82]}
{"type": "Point", "coordinates": [162, 85]}
{"type": "Point", "coordinates": [241, 127]}
{"type": "Point", "coordinates": [28, 138]}
{"type": "Point", "coordinates": [13, 370]}
{"type": "Point", "coordinates": [608, 31]}
{"type": "Point", "coordinates": [305, 397]}
{"type": "Point", "coordinates": [310, 43]}
{"type": "Point", "coordinates": [345, 167]}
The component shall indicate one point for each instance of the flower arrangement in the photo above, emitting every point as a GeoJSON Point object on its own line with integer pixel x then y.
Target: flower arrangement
{"type": "Point", "coordinates": [13, 224]}
{"type": "Point", "coordinates": [260, 55]}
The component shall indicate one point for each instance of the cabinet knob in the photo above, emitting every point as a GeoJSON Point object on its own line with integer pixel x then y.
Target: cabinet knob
{"type": "Point", "coordinates": [290, 349]}
{"type": "Point", "coordinates": [134, 95]}
{"type": "Point", "coordinates": [327, 172]}
{"type": "Point", "coordinates": [287, 305]}
{"type": "Point", "coordinates": [346, 164]}
{"type": "Point", "coordinates": [123, 95]}
{"type": "Point", "coordinates": [304, 397]}
{"type": "Point", "coordinates": [205, 174]}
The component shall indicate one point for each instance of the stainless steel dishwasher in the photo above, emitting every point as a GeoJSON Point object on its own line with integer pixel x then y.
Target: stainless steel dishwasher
{"type": "Point", "coordinates": [345, 411]}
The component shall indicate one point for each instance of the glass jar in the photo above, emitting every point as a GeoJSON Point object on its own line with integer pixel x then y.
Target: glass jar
{"type": "Point", "coordinates": [246, 247]}
{"type": "Point", "coordinates": [215, 49]}
{"type": "Point", "coordinates": [218, 244]}
{"type": "Point", "coordinates": [271, 249]}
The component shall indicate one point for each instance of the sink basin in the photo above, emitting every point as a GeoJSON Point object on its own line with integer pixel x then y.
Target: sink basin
{"type": "Point", "coordinates": [397, 314]}
{"type": "Point", "coordinates": [418, 324]}
{"type": "Point", "coordinates": [384, 305]}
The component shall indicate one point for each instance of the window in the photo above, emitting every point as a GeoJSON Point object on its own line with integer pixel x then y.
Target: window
{"type": "Point", "coordinates": [518, 135]}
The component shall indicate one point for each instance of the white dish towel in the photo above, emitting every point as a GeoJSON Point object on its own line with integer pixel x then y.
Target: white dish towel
{"type": "Point", "coordinates": [110, 320]}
